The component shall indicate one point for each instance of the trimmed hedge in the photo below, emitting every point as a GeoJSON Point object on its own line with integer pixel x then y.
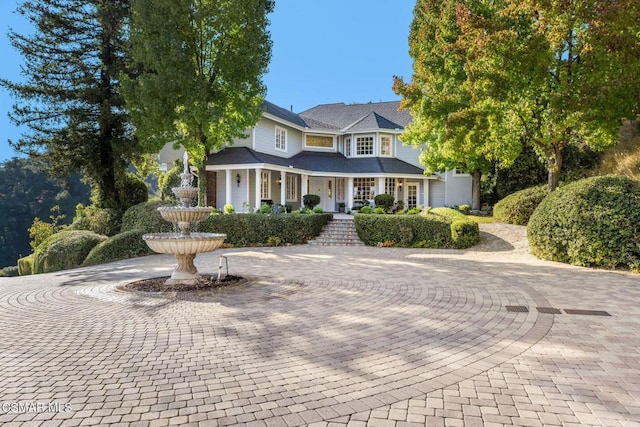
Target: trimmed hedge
{"type": "Point", "coordinates": [121, 246]}
{"type": "Point", "coordinates": [25, 265]}
{"type": "Point", "coordinates": [518, 207]}
{"type": "Point", "coordinates": [426, 230]}
{"type": "Point", "coordinates": [64, 250]}
{"type": "Point", "coordinates": [464, 232]}
{"type": "Point", "coordinates": [257, 229]}
{"type": "Point", "coordinates": [100, 221]}
{"type": "Point", "coordinates": [145, 217]}
{"type": "Point", "coordinates": [10, 271]}
{"type": "Point", "coordinates": [591, 222]}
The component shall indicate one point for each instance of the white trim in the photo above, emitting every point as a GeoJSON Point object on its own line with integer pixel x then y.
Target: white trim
{"type": "Point", "coordinates": [373, 145]}
{"type": "Point", "coordinates": [456, 174]}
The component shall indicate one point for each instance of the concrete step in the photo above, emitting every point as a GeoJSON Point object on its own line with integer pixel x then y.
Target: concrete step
{"type": "Point", "coordinates": [338, 232]}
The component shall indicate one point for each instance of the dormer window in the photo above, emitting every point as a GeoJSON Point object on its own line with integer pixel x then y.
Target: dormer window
{"type": "Point", "coordinates": [281, 139]}
{"type": "Point", "coordinates": [319, 141]}
{"type": "Point", "coordinates": [364, 146]}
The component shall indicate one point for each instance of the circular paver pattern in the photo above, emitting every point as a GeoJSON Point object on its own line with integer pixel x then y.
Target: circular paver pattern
{"type": "Point", "coordinates": [324, 335]}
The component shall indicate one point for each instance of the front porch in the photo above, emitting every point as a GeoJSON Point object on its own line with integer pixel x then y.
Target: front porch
{"type": "Point", "coordinates": [247, 189]}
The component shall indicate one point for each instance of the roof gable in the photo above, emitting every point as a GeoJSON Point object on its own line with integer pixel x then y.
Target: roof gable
{"type": "Point", "coordinates": [383, 115]}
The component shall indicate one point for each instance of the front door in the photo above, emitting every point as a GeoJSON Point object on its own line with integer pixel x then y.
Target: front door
{"type": "Point", "coordinates": [412, 195]}
{"type": "Point", "coordinates": [325, 188]}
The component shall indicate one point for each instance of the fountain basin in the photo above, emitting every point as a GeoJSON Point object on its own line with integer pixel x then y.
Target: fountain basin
{"type": "Point", "coordinates": [176, 243]}
{"type": "Point", "coordinates": [185, 192]}
{"type": "Point", "coordinates": [179, 214]}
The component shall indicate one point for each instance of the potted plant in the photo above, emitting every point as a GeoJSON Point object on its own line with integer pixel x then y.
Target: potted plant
{"type": "Point", "coordinates": [341, 207]}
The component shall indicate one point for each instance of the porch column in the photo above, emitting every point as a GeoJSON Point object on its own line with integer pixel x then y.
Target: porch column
{"type": "Point", "coordinates": [349, 201]}
{"type": "Point", "coordinates": [283, 188]}
{"type": "Point", "coordinates": [248, 194]}
{"type": "Point", "coordinates": [426, 193]}
{"type": "Point", "coordinates": [258, 191]}
{"type": "Point", "coordinates": [304, 186]}
{"type": "Point", "coordinates": [380, 182]}
{"type": "Point", "coordinates": [227, 189]}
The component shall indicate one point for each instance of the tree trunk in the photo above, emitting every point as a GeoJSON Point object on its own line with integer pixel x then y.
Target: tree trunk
{"type": "Point", "coordinates": [202, 183]}
{"type": "Point", "coordinates": [475, 191]}
{"type": "Point", "coordinates": [554, 165]}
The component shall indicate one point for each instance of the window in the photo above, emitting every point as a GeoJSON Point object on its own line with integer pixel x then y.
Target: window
{"type": "Point", "coordinates": [292, 188]}
{"type": "Point", "coordinates": [459, 172]}
{"type": "Point", "coordinates": [347, 147]}
{"type": "Point", "coordinates": [281, 139]}
{"type": "Point", "coordinates": [265, 186]}
{"type": "Point", "coordinates": [364, 188]}
{"type": "Point", "coordinates": [385, 145]}
{"type": "Point", "coordinates": [412, 195]}
{"type": "Point", "coordinates": [390, 186]}
{"type": "Point", "coordinates": [320, 141]}
{"type": "Point", "coordinates": [364, 146]}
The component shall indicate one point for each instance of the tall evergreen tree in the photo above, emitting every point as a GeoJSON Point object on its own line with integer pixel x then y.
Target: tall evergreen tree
{"type": "Point", "coordinates": [70, 101]}
{"type": "Point", "coordinates": [201, 65]}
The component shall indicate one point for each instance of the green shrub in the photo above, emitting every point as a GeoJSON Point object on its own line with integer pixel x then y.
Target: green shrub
{"type": "Point", "coordinates": [145, 217]}
{"type": "Point", "coordinates": [169, 180]}
{"type": "Point", "coordinates": [384, 201]}
{"type": "Point", "coordinates": [366, 209]}
{"type": "Point", "coordinates": [10, 271]}
{"type": "Point", "coordinates": [591, 222]}
{"type": "Point", "coordinates": [229, 209]}
{"type": "Point", "coordinates": [318, 210]}
{"type": "Point", "coordinates": [274, 241]}
{"type": "Point", "coordinates": [379, 211]}
{"type": "Point", "coordinates": [64, 250]}
{"type": "Point", "coordinates": [429, 231]}
{"type": "Point", "coordinates": [25, 265]}
{"type": "Point", "coordinates": [100, 221]}
{"type": "Point", "coordinates": [464, 232]}
{"type": "Point", "coordinates": [518, 207]}
{"type": "Point", "coordinates": [310, 201]}
{"type": "Point", "coordinates": [132, 191]}
{"type": "Point", "coordinates": [256, 229]}
{"type": "Point", "coordinates": [465, 209]}
{"type": "Point", "coordinates": [414, 211]}
{"type": "Point", "coordinates": [128, 244]}
{"type": "Point", "coordinates": [264, 209]}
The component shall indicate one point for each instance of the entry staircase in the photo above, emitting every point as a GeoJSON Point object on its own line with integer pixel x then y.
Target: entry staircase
{"type": "Point", "coordinates": [338, 232]}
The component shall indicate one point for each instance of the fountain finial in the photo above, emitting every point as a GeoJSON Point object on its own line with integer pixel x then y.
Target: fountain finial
{"type": "Point", "coordinates": [185, 162]}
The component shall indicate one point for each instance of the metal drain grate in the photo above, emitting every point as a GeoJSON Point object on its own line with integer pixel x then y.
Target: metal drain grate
{"type": "Point", "coordinates": [548, 310]}
{"type": "Point", "coordinates": [587, 312]}
{"type": "Point", "coordinates": [517, 309]}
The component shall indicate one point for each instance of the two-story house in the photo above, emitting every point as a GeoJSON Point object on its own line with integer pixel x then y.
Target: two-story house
{"type": "Point", "coordinates": [342, 153]}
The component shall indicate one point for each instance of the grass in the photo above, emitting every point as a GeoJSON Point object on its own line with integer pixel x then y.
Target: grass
{"type": "Point", "coordinates": [482, 219]}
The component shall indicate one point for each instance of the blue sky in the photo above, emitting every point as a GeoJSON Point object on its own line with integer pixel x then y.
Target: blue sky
{"type": "Point", "coordinates": [324, 51]}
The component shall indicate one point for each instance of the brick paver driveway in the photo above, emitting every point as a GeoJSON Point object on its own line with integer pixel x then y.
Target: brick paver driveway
{"type": "Point", "coordinates": [327, 336]}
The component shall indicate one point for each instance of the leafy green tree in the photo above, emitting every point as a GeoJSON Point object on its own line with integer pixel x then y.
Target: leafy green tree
{"type": "Point", "coordinates": [561, 73]}
{"type": "Point", "coordinates": [453, 127]}
{"type": "Point", "coordinates": [70, 101]}
{"type": "Point", "coordinates": [198, 82]}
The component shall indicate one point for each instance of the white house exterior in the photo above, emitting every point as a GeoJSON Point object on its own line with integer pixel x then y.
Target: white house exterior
{"type": "Point", "coordinates": [342, 153]}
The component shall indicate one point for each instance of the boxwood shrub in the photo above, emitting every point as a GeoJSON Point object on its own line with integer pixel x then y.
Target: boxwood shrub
{"type": "Point", "coordinates": [591, 222]}
{"type": "Point", "coordinates": [517, 208]}
{"type": "Point", "coordinates": [100, 221]}
{"type": "Point", "coordinates": [464, 232]}
{"type": "Point", "coordinates": [64, 250]}
{"type": "Point", "coordinates": [427, 230]}
{"type": "Point", "coordinates": [25, 265]}
{"type": "Point", "coordinates": [257, 229]}
{"type": "Point", "coordinates": [10, 271]}
{"type": "Point", "coordinates": [145, 217]}
{"type": "Point", "coordinates": [121, 246]}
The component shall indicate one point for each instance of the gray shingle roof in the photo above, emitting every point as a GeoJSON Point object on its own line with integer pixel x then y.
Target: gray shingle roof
{"type": "Point", "coordinates": [283, 113]}
{"type": "Point", "coordinates": [383, 115]}
{"type": "Point", "coordinates": [315, 162]}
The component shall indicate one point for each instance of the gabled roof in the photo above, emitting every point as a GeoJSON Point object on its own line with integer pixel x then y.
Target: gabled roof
{"type": "Point", "coordinates": [315, 162]}
{"type": "Point", "coordinates": [375, 115]}
{"type": "Point", "coordinates": [283, 114]}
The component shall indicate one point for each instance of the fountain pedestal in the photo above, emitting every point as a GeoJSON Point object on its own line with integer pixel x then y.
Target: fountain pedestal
{"type": "Point", "coordinates": [185, 245]}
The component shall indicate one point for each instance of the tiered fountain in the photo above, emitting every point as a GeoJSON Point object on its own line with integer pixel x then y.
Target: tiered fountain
{"type": "Point", "coordinates": [184, 244]}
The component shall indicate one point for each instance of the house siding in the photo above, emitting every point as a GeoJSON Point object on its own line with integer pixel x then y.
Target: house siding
{"type": "Point", "coordinates": [458, 189]}
{"type": "Point", "coordinates": [265, 139]}
{"type": "Point", "coordinates": [437, 193]}
{"type": "Point", "coordinates": [407, 153]}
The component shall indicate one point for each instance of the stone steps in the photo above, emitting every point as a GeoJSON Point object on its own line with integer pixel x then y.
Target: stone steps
{"type": "Point", "coordinates": [338, 232]}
